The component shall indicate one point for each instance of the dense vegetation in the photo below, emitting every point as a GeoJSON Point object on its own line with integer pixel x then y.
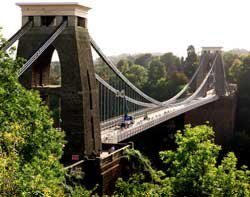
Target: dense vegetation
{"type": "Point", "coordinates": [152, 74]}
{"type": "Point", "coordinates": [193, 170]}
{"type": "Point", "coordinates": [30, 147]}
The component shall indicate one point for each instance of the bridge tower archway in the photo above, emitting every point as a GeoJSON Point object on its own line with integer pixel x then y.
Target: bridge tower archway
{"type": "Point", "coordinates": [78, 90]}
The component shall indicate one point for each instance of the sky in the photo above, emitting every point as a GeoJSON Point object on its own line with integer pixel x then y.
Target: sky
{"type": "Point", "coordinates": [155, 26]}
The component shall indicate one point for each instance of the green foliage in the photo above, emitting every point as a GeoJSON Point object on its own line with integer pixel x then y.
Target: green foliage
{"type": "Point", "coordinates": [144, 60]}
{"type": "Point", "coordinates": [230, 181]}
{"type": "Point", "coordinates": [172, 62]}
{"type": "Point", "coordinates": [156, 70]}
{"type": "Point", "coordinates": [142, 164]}
{"type": "Point", "coordinates": [136, 186]}
{"type": "Point", "coordinates": [192, 170]}
{"type": "Point", "coordinates": [235, 70]}
{"type": "Point", "coordinates": [78, 191]}
{"type": "Point", "coordinates": [75, 188]}
{"type": "Point", "coordinates": [137, 75]}
{"type": "Point", "coordinates": [154, 74]}
{"type": "Point", "coordinates": [124, 65]}
{"type": "Point", "coordinates": [146, 182]}
{"type": "Point", "coordinates": [229, 58]}
{"type": "Point", "coordinates": [103, 71]}
{"type": "Point", "coordinates": [192, 165]}
{"type": "Point", "coordinates": [30, 148]}
{"type": "Point", "coordinates": [191, 62]}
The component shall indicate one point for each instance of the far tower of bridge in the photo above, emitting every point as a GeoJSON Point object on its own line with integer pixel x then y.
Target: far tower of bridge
{"type": "Point", "coordinates": [63, 27]}
{"type": "Point", "coordinates": [210, 55]}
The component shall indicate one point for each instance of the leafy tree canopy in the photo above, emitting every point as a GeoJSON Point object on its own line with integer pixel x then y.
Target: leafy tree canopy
{"type": "Point", "coordinates": [156, 70]}
{"type": "Point", "coordinates": [144, 60]}
{"type": "Point", "coordinates": [191, 62]}
{"type": "Point", "coordinates": [30, 148]}
{"type": "Point", "coordinates": [193, 170]}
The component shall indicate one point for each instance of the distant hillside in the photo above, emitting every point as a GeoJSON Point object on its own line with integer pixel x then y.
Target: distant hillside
{"type": "Point", "coordinates": [131, 57]}
{"type": "Point", "coordinates": [239, 51]}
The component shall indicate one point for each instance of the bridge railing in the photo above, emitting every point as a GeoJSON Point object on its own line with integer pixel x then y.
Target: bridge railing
{"type": "Point", "coordinates": [111, 156]}
{"type": "Point", "coordinates": [115, 154]}
{"type": "Point", "coordinates": [74, 165]}
{"type": "Point", "coordinates": [158, 119]}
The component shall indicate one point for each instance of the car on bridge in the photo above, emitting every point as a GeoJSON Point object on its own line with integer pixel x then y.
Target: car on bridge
{"type": "Point", "coordinates": [127, 121]}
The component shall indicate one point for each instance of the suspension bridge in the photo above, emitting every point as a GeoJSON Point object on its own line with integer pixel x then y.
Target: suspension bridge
{"type": "Point", "coordinates": [99, 107]}
{"type": "Point", "coordinates": [114, 95]}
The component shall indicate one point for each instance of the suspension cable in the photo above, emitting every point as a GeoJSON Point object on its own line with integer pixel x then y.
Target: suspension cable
{"type": "Point", "coordinates": [41, 49]}
{"type": "Point", "coordinates": [116, 92]}
{"type": "Point", "coordinates": [16, 36]}
{"type": "Point", "coordinates": [200, 87]}
{"type": "Point", "coordinates": [121, 76]}
{"type": "Point", "coordinates": [174, 98]}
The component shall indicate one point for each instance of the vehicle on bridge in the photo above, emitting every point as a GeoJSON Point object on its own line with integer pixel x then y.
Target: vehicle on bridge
{"type": "Point", "coordinates": [127, 121]}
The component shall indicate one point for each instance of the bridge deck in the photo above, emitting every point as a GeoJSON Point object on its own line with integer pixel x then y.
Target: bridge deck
{"type": "Point", "coordinates": [116, 134]}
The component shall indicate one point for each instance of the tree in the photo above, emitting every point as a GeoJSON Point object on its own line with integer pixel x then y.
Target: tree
{"type": "Point", "coordinates": [30, 148]}
{"type": "Point", "coordinates": [193, 170]}
{"type": "Point", "coordinates": [148, 181]}
{"type": "Point", "coordinates": [124, 65]}
{"type": "Point", "coordinates": [144, 60]}
{"type": "Point", "coordinates": [156, 70]}
{"type": "Point", "coordinates": [191, 62]}
{"type": "Point", "coordinates": [172, 62]}
{"type": "Point", "coordinates": [138, 75]}
{"type": "Point", "coordinates": [162, 86]}
{"type": "Point", "coordinates": [156, 74]}
{"type": "Point", "coordinates": [229, 58]}
{"type": "Point", "coordinates": [179, 78]}
{"type": "Point", "coordinates": [229, 181]}
{"type": "Point", "coordinates": [235, 70]}
{"type": "Point", "coordinates": [193, 166]}
{"type": "Point", "coordinates": [104, 71]}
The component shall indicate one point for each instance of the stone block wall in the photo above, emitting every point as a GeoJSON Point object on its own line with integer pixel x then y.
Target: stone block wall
{"type": "Point", "coordinates": [220, 114]}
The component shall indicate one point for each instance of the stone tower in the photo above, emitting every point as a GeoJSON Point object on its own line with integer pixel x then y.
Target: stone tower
{"type": "Point", "coordinates": [206, 60]}
{"type": "Point", "coordinates": [78, 91]}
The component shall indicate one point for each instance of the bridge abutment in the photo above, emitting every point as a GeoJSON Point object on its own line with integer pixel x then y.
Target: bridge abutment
{"type": "Point", "coordinates": [220, 115]}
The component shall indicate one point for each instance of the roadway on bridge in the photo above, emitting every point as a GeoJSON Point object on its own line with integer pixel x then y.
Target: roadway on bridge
{"type": "Point", "coordinates": [116, 134]}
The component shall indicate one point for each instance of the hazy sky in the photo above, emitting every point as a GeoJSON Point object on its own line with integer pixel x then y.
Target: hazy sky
{"type": "Point", "coordinates": [134, 26]}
